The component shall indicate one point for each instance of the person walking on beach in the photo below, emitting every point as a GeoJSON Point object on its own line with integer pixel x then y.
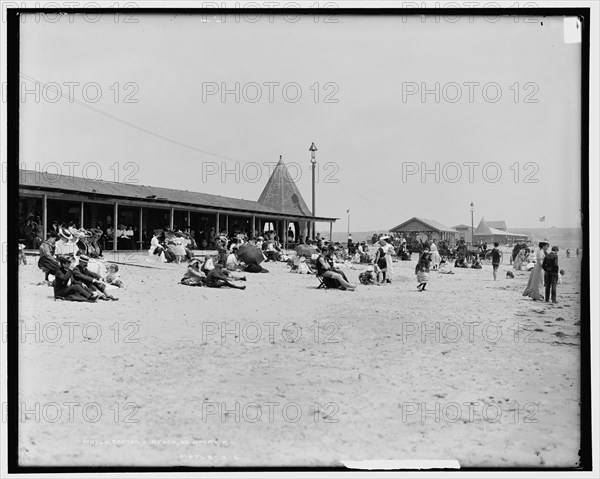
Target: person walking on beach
{"type": "Point", "coordinates": [568, 253]}
{"type": "Point", "coordinates": [551, 272]}
{"type": "Point", "coordinates": [536, 278]}
{"type": "Point", "coordinates": [436, 259]}
{"type": "Point", "coordinates": [496, 255]}
{"type": "Point", "coordinates": [422, 270]}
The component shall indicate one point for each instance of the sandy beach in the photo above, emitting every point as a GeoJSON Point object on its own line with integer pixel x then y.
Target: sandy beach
{"type": "Point", "coordinates": [283, 374]}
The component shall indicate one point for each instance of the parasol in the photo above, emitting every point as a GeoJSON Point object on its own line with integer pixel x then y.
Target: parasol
{"type": "Point", "coordinates": [250, 254]}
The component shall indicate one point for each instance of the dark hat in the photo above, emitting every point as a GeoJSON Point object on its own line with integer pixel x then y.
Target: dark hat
{"type": "Point", "coordinates": [555, 248]}
{"type": "Point", "coordinates": [542, 243]}
{"type": "Point", "coordinates": [96, 232]}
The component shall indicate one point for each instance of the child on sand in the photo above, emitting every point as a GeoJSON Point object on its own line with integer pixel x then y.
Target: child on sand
{"type": "Point", "coordinates": [113, 277]}
{"type": "Point", "coordinates": [422, 271]}
{"type": "Point", "coordinates": [368, 277]}
{"type": "Point", "coordinates": [496, 255]}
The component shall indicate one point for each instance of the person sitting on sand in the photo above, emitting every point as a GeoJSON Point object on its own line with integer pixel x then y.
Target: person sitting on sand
{"type": "Point", "coordinates": [113, 277]}
{"type": "Point", "coordinates": [193, 276]}
{"type": "Point", "coordinates": [326, 269]}
{"type": "Point", "coordinates": [461, 262]}
{"type": "Point", "coordinates": [67, 287]}
{"type": "Point", "coordinates": [47, 262]}
{"type": "Point", "coordinates": [303, 266]}
{"type": "Point", "coordinates": [219, 277]}
{"type": "Point", "coordinates": [444, 267]}
{"type": "Point", "coordinates": [232, 260]}
{"type": "Point", "coordinates": [368, 277]}
{"type": "Point", "coordinates": [476, 263]}
{"type": "Point", "coordinates": [91, 280]}
{"type": "Point", "coordinates": [209, 264]}
{"type": "Point", "coordinates": [270, 251]}
{"type": "Point", "coordinates": [156, 248]}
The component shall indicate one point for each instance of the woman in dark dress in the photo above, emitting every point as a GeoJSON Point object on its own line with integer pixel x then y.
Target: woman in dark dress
{"type": "Point", "coordinates": [381, 261]}
{"type": "Point", "coordinates": [326, 269]}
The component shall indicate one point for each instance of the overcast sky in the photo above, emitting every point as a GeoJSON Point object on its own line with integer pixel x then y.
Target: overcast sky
{"type": "Point", "coordinates": [360, 82]}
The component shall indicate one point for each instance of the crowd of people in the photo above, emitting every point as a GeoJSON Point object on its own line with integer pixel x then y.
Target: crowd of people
{"type": "Point", "coordinates": [73, 256]}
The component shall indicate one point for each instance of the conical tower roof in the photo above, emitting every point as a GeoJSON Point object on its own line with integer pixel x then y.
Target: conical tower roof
{"type": "Point", "coordinates": [483, 228]}
{"type": "Point", "coordinates": [282, 194]}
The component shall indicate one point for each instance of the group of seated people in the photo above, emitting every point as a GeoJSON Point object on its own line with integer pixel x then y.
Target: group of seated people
{"type": "Point", "coordinates": [523, 259]}
{"type": "Point", "coordinates": [126, 236]}
{"type": "Point", "coordinates": [78, 274]}
{"type": "Point", "coordinates": [171, 246]}
{"type": "Point", "coordinates": [211, 274]}
{"type": "Point", "coordinates": [465, 261]}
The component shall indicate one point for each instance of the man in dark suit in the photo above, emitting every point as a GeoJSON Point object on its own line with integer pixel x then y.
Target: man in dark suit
{"type": "Point", "coordinates": [90, 279]}
{"type": "Point", "coordinates": [66, 286]}
{"type": "Point", "coordinates": [551, 272]}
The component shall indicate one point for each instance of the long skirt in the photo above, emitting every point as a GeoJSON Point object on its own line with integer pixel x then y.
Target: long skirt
{"type": "Point", "coordinates": [422, 277]}
{"type": "Point", "coordinates": [536, 281]}
{"type": "Point", "coordinates": [389, 266]}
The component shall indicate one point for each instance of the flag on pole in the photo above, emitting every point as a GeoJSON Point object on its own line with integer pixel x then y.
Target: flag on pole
{"type": "Point", "coordinates": [542, 219]}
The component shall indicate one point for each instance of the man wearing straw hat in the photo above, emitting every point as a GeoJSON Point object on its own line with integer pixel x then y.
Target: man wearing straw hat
{"type": "Point", "coordinates": [92, 280]}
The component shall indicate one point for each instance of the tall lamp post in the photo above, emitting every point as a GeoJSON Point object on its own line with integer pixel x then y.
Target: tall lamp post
{"type": "Point", "coordinates": [472, 232]}
{"type": "Point", "coordinates": [313, 160]}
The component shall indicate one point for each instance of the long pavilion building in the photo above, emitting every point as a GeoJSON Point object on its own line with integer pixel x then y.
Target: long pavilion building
{"type": "Point", "coordinates": [92, 203]}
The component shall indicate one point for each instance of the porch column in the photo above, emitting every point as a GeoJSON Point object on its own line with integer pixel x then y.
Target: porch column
{"type": "Point", "coordinates": [81, 216]}
{"type": "Point", "coordinates": [217, 225]}
{"type": "Point", "coordinates": [172, 217]}
{"type": "Point", "coordinates": [115, 223]}
{"type": "Point", "coordinates": [189, 222]}
{"type": "Point", "coordinates": [330, 231]}
{"type": "Point", "coordinates": [45, 216]}
{"type": "Point", "coordinates": [227, 225]}
{"type": "Point", "coordinates": [140, 228]}
{"type": "Point", "coordinates": [285, 228]}
{"type": "Point", "coordinates": [253, 226]}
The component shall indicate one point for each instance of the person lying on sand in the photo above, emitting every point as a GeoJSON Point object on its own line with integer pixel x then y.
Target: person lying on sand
{"type": "Point", "coordinates": [219, 277]}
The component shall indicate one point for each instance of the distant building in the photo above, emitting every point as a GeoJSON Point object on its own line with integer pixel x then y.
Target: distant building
{"type": "Point", "coordinates": [486, 233]}
{"type": "Point", "coordinates": [498, 225]}
{"type": "Point", "coordinates": [463, 233]}
{"type": "Point", "coordinates": [426, 229]}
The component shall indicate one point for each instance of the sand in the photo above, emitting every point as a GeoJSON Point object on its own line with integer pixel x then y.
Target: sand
{"type": "Point", "coordinates": [468, 370]}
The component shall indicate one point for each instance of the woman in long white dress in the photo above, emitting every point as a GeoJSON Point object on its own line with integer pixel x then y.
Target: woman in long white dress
{"type": "Point", "coordinates": [536, 278]}
{"type": "Point", "coordinates": [435, 255]}
{"type": "Point", "coordinates": [388, 249]}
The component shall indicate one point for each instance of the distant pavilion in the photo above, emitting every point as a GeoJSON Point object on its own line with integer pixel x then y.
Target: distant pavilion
{"type": "Point", "coordinates": [426, 229]}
